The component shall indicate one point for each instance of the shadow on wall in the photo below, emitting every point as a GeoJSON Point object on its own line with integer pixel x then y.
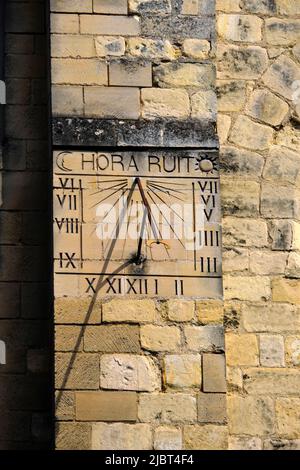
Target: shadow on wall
{"type": "Point", "coordinates": [25, 234]}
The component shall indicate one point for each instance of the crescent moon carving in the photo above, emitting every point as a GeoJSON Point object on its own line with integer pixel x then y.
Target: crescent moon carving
{"type": "Point", "coordinates": [60, 161]}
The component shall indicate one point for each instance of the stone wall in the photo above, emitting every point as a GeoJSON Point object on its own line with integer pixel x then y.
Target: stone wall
{"type": "Point", "coordinates": [25, 234]}
{"type": "Point", "coordinates": [258, 69]}
{"type": "Point", "coordinates": [146, 373]}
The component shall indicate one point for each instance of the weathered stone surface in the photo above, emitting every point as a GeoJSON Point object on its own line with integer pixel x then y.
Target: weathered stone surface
{"type": "Point", "coordinates": [64, 405]}
{"type": "Point", "coordinates": [231, 95]}
{"type": "Point", "coordinates": [214, 379]}
{"type": "Point", "coordinates": [292, 345]}
{"type": "Point", "coordinates": [250, 415]}
{"type": "Point", "coordinates": [129, 372]}
{"type": "Point", "coordinates": [152, 48]}
{"type": "Point", "coordinates": [209, 311]}
{"type": "Point", "coordinates": [167, 438]}
{"type": "Point", "coordinates": [274, 318]}
{"type": "Point", "coordinates": [160, 338]}
{"type": "Point", "coordinates": [230, 6]}
{"type": "Point", "coordinates": [287, 413]}
{"type": "Point", "coordinates": [67, 100]}
{"type": "Point", "coordinates": [240, 162]}
{"type": "Point", "coordinates": [234, 377]}
{"type": "Point", "coordinates": [263, 7]}
{"type": "Point", "coordinates": [190, 7]}
{"type": "Point", "coordinates": [240, 196]}
{"type": "Point", "coordinates": [267, 107]}
{"type": "Point", "coordinates": [130, 74]}
{"type": "Point", "coordinates": [212, 408]}
{"type": "Point", "coordinates": [183, 370]}
{"type": "Point", "coordinates": [241, 62]}
{"type": "Point", "coordinates": [73, 436]}
{"type": "Point", "coordinates": [281, 234]}
{"type": "Point", "coordinates": [196, 48]}
{"type": "Point", "coordinates": [64, 24]}
{"type": "Point", "coordinates": [276, 201]}
{"type": "Point", "coordinates": [167, 408]}
{"type": "Point", "coordinates": [131, 311]}
{"type": "Point", "coordinates": [149, 6]}
{"type": "Point", "coordinates": [184, 75]}
{"type": "Point", "coordinates": [242, 350]}
{"type": "Point", "coordinates": [285, 7]}
{"type": "Point", "coordinates": [241, 28]}
{"type": "Point", "coordinates": [112, 102]}
{"type": "Point", "coordinates": [158, 103]}
{"type": "Point", "coordinates": [223, 127]}
{"type": "Point", "coordinates": [180, 310]}
{"type": "Point", "coordinates": [68, 338]}
{"type": "Point", "coordinates": [120, 436]}
{"type": "Point", "coordinates": [177, 27]}
{"type": "Point", "coordinates": [112, 7]}
{"type": "Point", "coordinates": [253, 289]}
{"type": "Point", "coordinates": [236, 259]}
{"type": "Point", "coordinates": [281, 75]}
{"type": "Point", "coordinates": [289, 137]}
{"type": "Point", "coordinates": [281, 444]}
{"type": "Point", "coordinates": [244, 443]}
{"type": "Point", "coordinates": [205, 437]}
{"type": "Point", "coordinates": [296, 51]}
{"type": "Point", "coordinates": [282, 32]}
{"type": "Point", "coordinates": [109, 46]}
{"type": "Point", "coordinates": [272, 381]}
{"type": "Point", "coordinates": [79, 72]}
{"type": "Point", "coordinates": [286, 290]}
{"type": "Point", "coordinates": [74, 6]}
{"type": "Point", "coordinates": [293, 266]}
{"type": "Point", "coordinates": [73, 46]}
{"type": "Point", "coordinates": [204, 105]}
{"type": "Point", "coordinates": [271, 351]}
{"type": "Point", "coordinates": [112, 25]}
{"type": "Point", "coordinates": [106, 406]}
{"type": "Point", "coordinates": [267, 262]}
{"type": "Point", "coordinates": [204, 338]}
{"type": "Point", "coordinates": [276, 171]}
{"type": "Point", "coordinates": [112, 338]}
{"type": "Point", "coordinates": [77, 372]}
{"type": "Point", "coordinates": [250, 134]}
{"type": "Point", "coordinates": [244, 232]}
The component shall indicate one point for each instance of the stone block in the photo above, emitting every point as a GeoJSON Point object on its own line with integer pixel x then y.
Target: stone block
{"type": "Point", "coordinates": [242, 350]}
{"type": "Point", "coordinates": [212, 408]}
{"type": "Point", "coordinates": [184, 75]}
{"type": "Point", "coordinates": [71, 6]}
{"type": "Point", "coordinates": [112, 338]}
{"type": "Point", "coordinates": [120, 436]}
{"type": "Point", "coordinates": [247, 62]}
{"type": "Point", "coordinates": [286, 290]}
{"type": "Point", "coordinates": [196, 49]}
{"type": "Point", "coordinates": [158, 103]}
{"type": "Point", "coordinates": [223, 127]}
{"type": "Point", "coordinates": [282, 32]}
{"type": "Point", "coordinates": [292, 346]}
{"type": "Point", "coordinates": [72, 46]}
{"type": "Point", "coordinates": [106, 406]}
{"type": "Point", "coordinates": [231, 95]}
{"type": "Point", "coordinates": [77, 310]}
{"type": "Point", "coordinates": [129, 372]}
{"type": "Point", "coordinates": [159, 49]}
{"type": "Point", "coordinates": [182, 371]}
{"type": "Point", "coordinates": [240, 28]}
{"type": "Point", "coordinates": [271, 318]}
{"type": "Point", "coordinates": [272, 381]}
{"type": "Point", "coordinates": [244, 443]}
{"type": "Point", "coordinates": [79, 372]}
{"type": "Point", "coordinates": [190, 7]}
{"type": "Point", "coordinates": [250, 415]}
{"type": "Point", "coordinates": [209, 338]}
{"type": "Point", "coordinates": [167, 408]}
{"type": "Point", "coordinates": [287, 173]}
{"type": "Point", "coordinates": [236, 259]}
{"type": "Point", "coordinates": [167, 438]}
{"type": "Point", "coordinates": [271, 350]}
{"type": "Point", "coordinates": [64, 405]}
{"type": "Point", "coordinates": [110, 46]}
{"type": "Point", "coordinates": [267, 107]}
{"type": "Point", "coordinates": [262, 7]}
{"type": "Point", "coordinates": [244, 232]}
{"type": "Point", "coordinates": [253, 289]}
{"type": "Point", "coordinates": [79, 72]}
{"type": "Point", "coordinates": [209, 311]}
{"type": "Point", "coordinates": [112, 7]}
{"type": "Point", "coordinates": [73, 436]}
{"type": "Point", "coordinates": [214, 379]}
{"type": "Point", "coordinates": [68, 338]}
{"type": "Point", "coordinates": [110, 25]}
{"type": "Point", "coordinates": [205, 437]}
{"type": "Point", "coordinates": [160, 338]}
{"type": "Point", "coordinates": [131, 311]}
{"type": "Point", "coordinates": [65, 24]}
{"type": "Point", "coordinates": [130, 74]}
{"type": "Point", "coordinates": [277, 202]}
{"type": "Point", "coordinates": [180, 310]}
{"type": "Point", "coordinates": [287, 414]}
{"type": "Point", "coordinates": [293, 266]}
{"type": "Point", "coordinates": [267, 262]}
{"type": "Point", "coordinates": [240, 197]}
{"type": "Point", "coordinates": [281, 75]}
{"type": "Point", "coordinates": [112, 102]}
{"type": "Point", "coordinates": [250, 134]}
{"type": "Point", "coordinates": [67, 100]}
{"type": "Point", "coordinates": [149, 6]}
{"type": "Point", "coordinates": [204, 105]}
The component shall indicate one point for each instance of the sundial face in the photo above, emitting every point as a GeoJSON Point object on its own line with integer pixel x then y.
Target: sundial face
{"type": "Point", "coordinates": [143, 223]}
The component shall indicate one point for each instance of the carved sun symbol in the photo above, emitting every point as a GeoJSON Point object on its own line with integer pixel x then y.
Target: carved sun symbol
{"type": "Point", "coordinates": [207, 163]}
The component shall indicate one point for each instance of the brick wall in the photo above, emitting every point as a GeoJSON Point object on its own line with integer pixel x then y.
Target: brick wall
{"type": "Point", "coordinates": [258, 67]}
{"type": "Point", "coordinates": [25, 295]}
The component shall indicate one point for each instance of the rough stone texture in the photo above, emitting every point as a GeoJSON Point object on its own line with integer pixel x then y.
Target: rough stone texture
{"type": "Point", "coordinates": [109, 46]}
{"type": "Point", "coordinates": [182, 371]}
{"type": "Point", "coordinates": [287, 412]}
{"type": "Point", "coordinates": [112, 338]}
{"type": "Point", "coordinates": [272, 381]}
{"type": "Point", "coordinates": [204, 105]}
{"type": "Point", "coordinates": [196, 48]}
{"type": "Point", "coordinates": [165, 103]}
{"type": "Point", "coordinates": [167, 438]}
{"type": "Point", "coordinates": [212, 408]}
{"type": "Point", "coordinates": [244, 443]}
{"type": "Point", "coordinates": [267, 107]}
{"type": "Point", "coordinates": [242, 350]}
{"type": "Point", "coordinates": [106, 406]}
{"type": "Point", "coordinates": [73, 436]}
{"type": "Point", "coordinates": [204, 338]}
{"type": "Point", "coordinates": [181, 310]}
{"type": "Point", "coordinates": [205, 437]}
{"type": "Point", "coordinates": [237, 62]}
{"type": "Point", "coordinates": [281, 75]}
{"type": "Point", "coordinates": [275, 318]}
{"type": "Point", "coordinates": [292, 346]}
{"type": "Point", "coordinates": [167, 408]}
{"type": "Point", "coordinates": [214, 373]}
{"type": "Point", "coordinates": [250, 415]}
{"type": "Point", "coordinates": [119, 436]}
{"type": "Point", "coordinates": [151, 48]}
{"type": "Point", "coordinates": [250, 134]}
{"type": "Point", "coordinates": [116, 7]}
{"type": "Point", "coordinates": [241, 28]}
{"type": "Point", "coordinates": [160, 338]}
{"type": "Point", "coordinates": [112, 102]}
{"type": "Point", "coordinates": [271, 351]}
{"type": "Point", "coordinates": [131, 311]}
{"type": "Point", "coordinates": [209, 311]}
{"type": "Point", "coordinates": [184, 75]}
{"type": "Point", "coordinates": [129, 372]}
{"type": "Point", "coordinates": [77, 372]}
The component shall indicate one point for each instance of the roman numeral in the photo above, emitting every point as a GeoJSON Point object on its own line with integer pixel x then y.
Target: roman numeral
{"type": "Point", "coordinates": [210, 186]}
{"type": "Point", "coordinates": [209, 238]}
{"type": "Point", "coordinates": [66, 260]}
{"type": "Point", "coordinates": [67, 201]}
{"type": "Point", "coordinates": [69, 225]}
{"type": "Point", "coordinates": [179, 287]}
{"type": "Point", "coordinates": [90, 285]}
{"type": "Point", "coordinates": [208, 265]}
